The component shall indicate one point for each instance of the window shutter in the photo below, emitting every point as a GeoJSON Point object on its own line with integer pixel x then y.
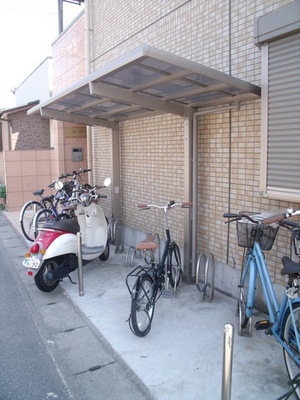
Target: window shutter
{"type": "Point", "coordinates": [283, 162]}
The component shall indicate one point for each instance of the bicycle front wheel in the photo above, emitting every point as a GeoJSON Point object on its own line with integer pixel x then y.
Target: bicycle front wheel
{"type": "Point", "coordinates": [291, 333]}
{"type": "Point", "coordinates": [26, 218]}
{"type": "Point", "coordinates": [142, 306]}
{"type": "Point", "coordinates": [40, 218]}
{"type": "Point", "coordinates": [174, 266]}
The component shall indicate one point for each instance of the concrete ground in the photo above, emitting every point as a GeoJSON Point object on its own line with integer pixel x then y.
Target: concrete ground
{"type": "Point", "coordinates": [182, 356]}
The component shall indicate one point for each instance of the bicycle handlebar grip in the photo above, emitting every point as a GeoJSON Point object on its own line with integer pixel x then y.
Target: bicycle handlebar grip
{"type": "Point", "coordinates": [186, 205]}
{"type": "Point", "coordinates": [230, 215]}
{"type": "Point", "coordinates": [274, 218]}
{"type": "Point", "coordinates": [143, 207]}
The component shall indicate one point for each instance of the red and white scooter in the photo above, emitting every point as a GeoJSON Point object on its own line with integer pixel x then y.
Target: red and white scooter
{"type": "Point", "coordinates": [54, 253]}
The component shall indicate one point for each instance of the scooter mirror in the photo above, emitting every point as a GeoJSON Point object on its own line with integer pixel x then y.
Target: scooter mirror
{"type": "Point", "coordinates": [107, 182]}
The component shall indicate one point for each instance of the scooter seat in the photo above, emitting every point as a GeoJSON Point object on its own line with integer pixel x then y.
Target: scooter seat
{"type": "Point", "coordinates": [67, 225]}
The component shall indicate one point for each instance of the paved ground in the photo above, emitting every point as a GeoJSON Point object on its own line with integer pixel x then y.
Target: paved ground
{"type": "Point", "coordinates": [84, 365]}
{"type": "Point", "coordinates": [182, 356]}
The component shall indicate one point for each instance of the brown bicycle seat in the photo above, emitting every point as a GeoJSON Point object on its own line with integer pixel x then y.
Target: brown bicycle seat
{"type": "Point", "coordinates": [147, 244]}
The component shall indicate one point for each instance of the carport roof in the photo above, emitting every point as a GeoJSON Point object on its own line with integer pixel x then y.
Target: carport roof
{"type": "Point", "coordinates": [144, 82]}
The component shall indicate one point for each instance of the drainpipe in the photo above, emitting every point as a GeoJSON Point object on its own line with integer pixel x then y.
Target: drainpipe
{"type": "Point", "coordinates": [87, 30]}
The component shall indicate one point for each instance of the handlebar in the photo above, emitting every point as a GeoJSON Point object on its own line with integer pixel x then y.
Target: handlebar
{"type": "Point", "coordinates": [166, 207]}
{"type": "Point", "coordinates": [277, 217]}
{"type": "Point", "coordinates": [74, 173]}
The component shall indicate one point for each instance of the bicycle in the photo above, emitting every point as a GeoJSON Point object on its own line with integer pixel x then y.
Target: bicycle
{"type": "Point", "coordinates": [52, 212]}
{"type": "Point", "coordinates": [257, 233]}
{"type": "Point", "coordinates": [51, 202]}
{"type": "Point", "coordinates": [151, 281]}
{"type": "Point", "coordinates": [205, 276]}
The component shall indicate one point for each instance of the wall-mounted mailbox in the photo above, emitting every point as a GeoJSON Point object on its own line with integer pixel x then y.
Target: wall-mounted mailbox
{"type": "Point", "coordinates": [77, 154]}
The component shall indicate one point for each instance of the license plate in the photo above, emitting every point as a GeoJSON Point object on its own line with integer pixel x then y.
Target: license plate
{"type": "Point", "coordinates": [31, 262]}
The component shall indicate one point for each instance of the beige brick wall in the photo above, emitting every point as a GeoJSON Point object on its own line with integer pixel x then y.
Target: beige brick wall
{"type": "Point", "coordinates": [152, 172]}
{"type": "Point", "coordinates": [218, 36]}
{"type": "Point", "coordinates": [101, 156]}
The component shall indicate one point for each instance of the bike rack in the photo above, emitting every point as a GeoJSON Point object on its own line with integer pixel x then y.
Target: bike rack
{"type": "Point", "coordinates": [134, 274]}
{"type": "Point", "coordinates": [116, 232]}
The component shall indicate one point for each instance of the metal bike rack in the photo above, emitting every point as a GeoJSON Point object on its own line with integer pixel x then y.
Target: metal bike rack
{"type": "Point", "coordinates": [117, 235]}
{"type": "Point", "coordinates": [80, 269]}
{"type": "Point", "coordinates": [227, 362]}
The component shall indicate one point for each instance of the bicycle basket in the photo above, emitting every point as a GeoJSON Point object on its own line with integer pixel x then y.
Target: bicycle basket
{"type": "Point", "coordinates": [246, 232]}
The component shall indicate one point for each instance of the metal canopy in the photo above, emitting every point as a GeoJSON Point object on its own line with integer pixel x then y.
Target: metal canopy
{"type": "Point", "coordinates": [145, 82]}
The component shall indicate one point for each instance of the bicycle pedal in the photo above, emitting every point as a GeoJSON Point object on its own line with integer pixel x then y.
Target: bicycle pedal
{"type": "Point", "coordinates": [262, 325]}
{"type": "Point", "coordinates": [167, 293]}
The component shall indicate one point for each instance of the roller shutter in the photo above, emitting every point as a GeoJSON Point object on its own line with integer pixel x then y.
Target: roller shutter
{"type": "Point", "coordinates": [283, 160]}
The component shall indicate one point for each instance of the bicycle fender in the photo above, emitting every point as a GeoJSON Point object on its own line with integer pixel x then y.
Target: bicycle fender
{"type": "Point", "coordinates": [135, 288]}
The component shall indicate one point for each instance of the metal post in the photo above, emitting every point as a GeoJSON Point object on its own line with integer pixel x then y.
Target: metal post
{"type": "Point", "coordinates": [80, 273]}
{"type": "Point", "coordinates": [227, 362]}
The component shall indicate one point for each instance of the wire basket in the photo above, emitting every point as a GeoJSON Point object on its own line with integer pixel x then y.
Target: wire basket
{"type": "Point", "coordinates": [246, 232]}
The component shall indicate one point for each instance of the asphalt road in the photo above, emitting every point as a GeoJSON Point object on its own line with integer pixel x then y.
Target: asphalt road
{"type": "Point", "coordinates": [48, 348]}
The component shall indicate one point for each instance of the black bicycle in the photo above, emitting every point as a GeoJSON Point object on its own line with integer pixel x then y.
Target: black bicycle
{"type": "Point", "coordinates": [153, 280]}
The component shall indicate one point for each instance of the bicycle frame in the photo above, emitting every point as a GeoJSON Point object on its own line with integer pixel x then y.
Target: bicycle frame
{"type": "Point", "coordinates": [256, 266]}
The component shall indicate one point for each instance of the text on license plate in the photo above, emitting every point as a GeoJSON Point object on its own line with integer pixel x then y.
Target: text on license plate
{"type": "Point", "coordinates": [31, 263]}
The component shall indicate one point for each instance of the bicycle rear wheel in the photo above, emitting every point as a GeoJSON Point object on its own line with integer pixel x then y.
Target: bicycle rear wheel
{"type": "Point", "coordinates": [142, 306]}
{"type": "Point", "coordinates": [26, 218]}
{"type": "Point", "coordinates": [40, 218]}
{"type": "Point", "coordinates": [290, 333]}
{"type": "Point", "coordinates": [174, 266]}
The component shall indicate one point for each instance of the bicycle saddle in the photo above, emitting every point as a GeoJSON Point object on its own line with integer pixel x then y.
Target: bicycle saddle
{"type": "Point", "coordinates": [38, 192]}
{"type": "Point", "coordinates": [147, 244]}
{"type": "Point", "coordinates": [290, 267]}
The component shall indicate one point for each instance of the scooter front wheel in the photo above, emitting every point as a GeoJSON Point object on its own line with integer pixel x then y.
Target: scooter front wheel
{"type": "Point", "coordinates": [41, 281]}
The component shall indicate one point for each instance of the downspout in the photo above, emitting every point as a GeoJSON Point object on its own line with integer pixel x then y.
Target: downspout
{"type": "Point", "coordinates": [87, 30]}
{"type": "Point", "coordinates": [195, 193]}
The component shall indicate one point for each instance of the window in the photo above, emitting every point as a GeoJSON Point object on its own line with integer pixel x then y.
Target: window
{"type": "Point", "coordinates": [280, 152]}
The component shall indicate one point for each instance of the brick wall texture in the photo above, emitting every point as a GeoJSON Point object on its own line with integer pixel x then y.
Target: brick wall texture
{"type": "Point", "coordinates": [218, 34]}
{"type": "Point", "coordinates": [29, 132]}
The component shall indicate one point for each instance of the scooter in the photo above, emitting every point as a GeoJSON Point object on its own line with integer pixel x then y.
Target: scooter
{"type": "Point", "coordinates": [54, 253]}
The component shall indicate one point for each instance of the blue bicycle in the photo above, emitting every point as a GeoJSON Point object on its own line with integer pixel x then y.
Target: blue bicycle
{"type": "Point", "coordinates": [257, 234]}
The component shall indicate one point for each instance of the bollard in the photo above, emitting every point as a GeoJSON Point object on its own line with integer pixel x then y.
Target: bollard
{"type": "Point", "coordinates": [227, 362]}
{"type": "Point", "coordinates": [80, 272]}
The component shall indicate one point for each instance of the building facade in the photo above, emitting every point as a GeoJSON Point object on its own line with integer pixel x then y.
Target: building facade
{"type": "Point", "coordinates": [151, 154]}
